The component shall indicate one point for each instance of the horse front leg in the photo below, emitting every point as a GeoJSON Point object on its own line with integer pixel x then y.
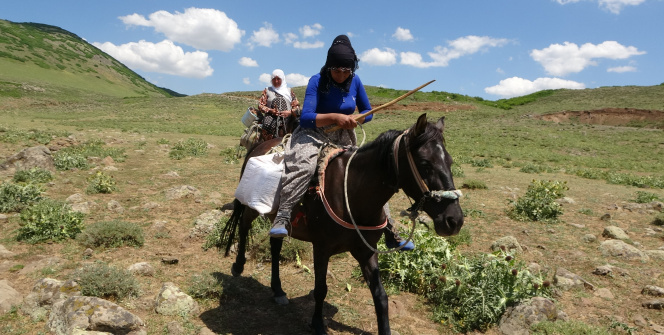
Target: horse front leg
{"type": "Point", "coordinates": [279, 295]}
{"type": "Point", "coordinates": [248, 216]}
{"type": "Point", "coordinates": [369, 264]}
{"type": "Point", "coordinates": [321, 261]}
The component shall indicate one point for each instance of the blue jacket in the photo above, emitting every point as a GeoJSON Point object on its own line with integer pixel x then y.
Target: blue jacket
{"type": "Point", "coordinates": [334, 101]}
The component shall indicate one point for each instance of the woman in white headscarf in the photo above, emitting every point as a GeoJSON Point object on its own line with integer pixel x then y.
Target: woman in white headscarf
{"type": "Point", "coordinates": [279, 107]}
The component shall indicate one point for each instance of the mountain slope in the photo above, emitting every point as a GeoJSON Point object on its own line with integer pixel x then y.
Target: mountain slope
{"type": "Point", "coordinates": [40, 55]}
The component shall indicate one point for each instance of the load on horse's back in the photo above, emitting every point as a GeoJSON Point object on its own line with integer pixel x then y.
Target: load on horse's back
{"type": "Point", "coordinates": [358, 184]}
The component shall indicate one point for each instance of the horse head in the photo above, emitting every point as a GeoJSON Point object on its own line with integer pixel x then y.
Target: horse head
{"type": "Point", "coordinates": [426, 175]}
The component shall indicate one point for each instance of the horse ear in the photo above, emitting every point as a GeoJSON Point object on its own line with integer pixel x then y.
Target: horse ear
{"type": "Point", "coordinates": [441, 124]}
{"type": "Point", "coordinates": [421, 125]}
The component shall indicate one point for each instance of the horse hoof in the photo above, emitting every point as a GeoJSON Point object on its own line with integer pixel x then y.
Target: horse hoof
{"type": "Point", "coordinates": [282, 300]}
{"type": "Point", "coordinates": [236, 270]}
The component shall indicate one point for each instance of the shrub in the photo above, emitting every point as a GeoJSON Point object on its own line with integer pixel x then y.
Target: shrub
{"type": "Point", "coordinates": [481, 163]}
{"type": "Point", "coordinates": [15, 197]}
{"type": "Point", "coordinates": [535, 168]}
{"type": "Point", "coordinates": [49, 220]}
{"type": "Point", "coordinates": [204, 286]}
{"type": "Point", "coordinates": [539, 202]}
{"type": "Point", "coordinates": [104, 281]}
{"type": "Point", "coordinates": [33, 175]}
{"type": "Point", "coordinates": [659, 220]}
{"type": "Point", "coordinates": [474, 185]}
{"type": "Point", "coordinates": [468, 294]}
{"type": "Point", "coordinates": [233, 155]}
{"type": "Point", "coordinates": [457, 171]}
{"type": "Point", "coordinates": [101, 183]}
{"type": "Point", "coordinates": [112, 234]}
{"type": "Point", "coordinates": [645, 197]}
{"type": "Point", "coordinates": [190, 147]}
{"type": "Point", "coordinates": [65, 160]}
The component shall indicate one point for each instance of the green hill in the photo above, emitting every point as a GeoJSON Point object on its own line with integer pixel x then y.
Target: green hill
{"type": "Point", "coordinates": [40, 57]}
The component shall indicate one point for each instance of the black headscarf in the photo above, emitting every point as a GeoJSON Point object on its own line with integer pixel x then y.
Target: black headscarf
{"type": "Point", "coordinates": [340, 54]}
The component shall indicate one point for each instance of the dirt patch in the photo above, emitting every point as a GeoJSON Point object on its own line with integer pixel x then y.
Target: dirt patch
{"type": "Point", "coordinates": [611, 117]}
{"type": "Point", "coordinates": [429, 107]}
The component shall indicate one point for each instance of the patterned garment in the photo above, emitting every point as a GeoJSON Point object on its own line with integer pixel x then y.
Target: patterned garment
{"type": "Point", "coordinates": [300, 159]}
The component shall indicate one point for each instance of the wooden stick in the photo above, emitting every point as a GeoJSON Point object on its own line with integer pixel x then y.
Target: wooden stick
{"type": "Point", "coordinates": [359, 116]}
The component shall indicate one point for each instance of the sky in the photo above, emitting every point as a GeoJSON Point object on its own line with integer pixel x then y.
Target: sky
{"type": "Point", "coordinates": [492, 49]}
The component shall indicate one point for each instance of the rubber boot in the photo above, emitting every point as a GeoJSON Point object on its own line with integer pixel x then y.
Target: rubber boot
{"type": "Point", "coordinates": [393, 240]}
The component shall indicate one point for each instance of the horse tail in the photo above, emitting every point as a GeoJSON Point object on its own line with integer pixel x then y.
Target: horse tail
{"type": "Point", "coordinates": [228, 233]}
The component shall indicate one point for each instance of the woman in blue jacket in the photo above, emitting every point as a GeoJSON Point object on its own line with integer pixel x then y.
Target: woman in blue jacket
{"type": "Point", "coordinates": [330, 100]}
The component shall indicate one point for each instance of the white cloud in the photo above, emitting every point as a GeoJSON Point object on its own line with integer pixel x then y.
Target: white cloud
{"type": "Point", "coordinates": [292, 79]}
{"type": "Point", "coordinates": [402, 34]}
{"type": "Point", "coordinates": [501, 71]}
{"type": "Point", "coordinates": [515, 86]}
{"type": "Point", "coordinates": [311, 31]}
{"type": "Point", "coordinates": [162, 57]}
{"type": "Point", "coordinates": [458, 48]}
{"type": "Point", "coordinates": [246, 81]}
{"type": "Point", "coordinates": [559, 60]}
{"type": "Point", "coordinates": [265, 36]}
{"type": "Point", "coordinates": [201, 28]}
{"type": "Point", "coordinates": [379, 57]}
{"type": "Point", "coordinates": [296, 79]}
{"type": "Point", "coordinates": [289, 38]}
{"type": "Point", "coordinates": [248, 62]}
{"type": "Point", "coordinates": [621, 69]}
{"type": "Point", "coordinates": [613, 6]}
{"type": "Point", "coordinates": [308, 45]}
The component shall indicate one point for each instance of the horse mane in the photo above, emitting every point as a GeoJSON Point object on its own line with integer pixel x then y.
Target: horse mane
{"type": "Point", "coordinates": [384, 146]}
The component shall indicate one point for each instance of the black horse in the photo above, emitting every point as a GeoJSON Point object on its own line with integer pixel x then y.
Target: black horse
{"type": "Point", "coordinates": [415, 161]}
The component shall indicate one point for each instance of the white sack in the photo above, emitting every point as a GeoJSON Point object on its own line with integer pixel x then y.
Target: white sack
{"type": "Point", "coordinates": [260, 184]}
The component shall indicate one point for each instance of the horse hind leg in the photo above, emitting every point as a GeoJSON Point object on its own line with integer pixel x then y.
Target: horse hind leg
{"type": "Point", "coordinates": [248, 216]}
{"type": "Point", "coordinates": [369, 264]}
{"type": "Point", "coordinates": [321, 260]}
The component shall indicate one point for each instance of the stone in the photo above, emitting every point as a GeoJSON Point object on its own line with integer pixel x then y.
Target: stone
{"type": "Point", "coordinates": [618, 248]}
{"type": "Point", "coordinates": [9, 297]}
{"type": "Point", "coordinates": [517, 320]}
{"type": "Point", "coordinates": [33, 157]}
{"type": "Point", "coordinates": [615, 233]}
{"type": "Point", "coordinates": [142, 268]}
{"type": "Point", "coordinates": [80, 313]}
{"type": "Point", "coordinates": [508, 243]}
{"type": "Point", "coordinates": [172, 301]}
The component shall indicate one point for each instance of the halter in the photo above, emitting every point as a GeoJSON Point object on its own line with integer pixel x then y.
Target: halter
{"type": "Point", "coordinates": [437, 195]}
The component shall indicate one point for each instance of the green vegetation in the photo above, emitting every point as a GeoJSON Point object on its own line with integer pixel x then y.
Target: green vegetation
{"type": "Point", "coordinates": [15, 197]}
{"type": "Point", "coordinates": [104, 281]}
{"type": "Point", "coordinates": [659, 220]}
{"type": "Point", "coordinates": [191, 147]}
{"type": "Point", "coordinates": [33, 175]}
{"type": "Point", "coordinates": [474, 185]}
{"type": "Point", "coordinates": [49, 220]}
{"type": "Point", "coordinates": [75, 157]}
{"type": "Point", "coordinates": [112, 234]}
{"type": "Point", "coordinates": [13, 135]}
{"type": "Point", "coordinates": [465, 293]}
{"type": "Point", "coordinates": [643, 197]}
{"type": "Point", "coordinates": [539, 202]}
{"type": "Point", "coordinates": [101, 183]}
{"type": "Point", "coordinates": [204, 286]}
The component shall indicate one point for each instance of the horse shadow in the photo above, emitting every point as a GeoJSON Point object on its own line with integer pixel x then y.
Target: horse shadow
{"type": "Point", "coordinates": [246, 307]}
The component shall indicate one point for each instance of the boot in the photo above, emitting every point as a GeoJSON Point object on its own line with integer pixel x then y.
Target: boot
{"type": "Point", "coordinates": [280, 227]}
{"type": "Point", "coordinates": [393, 240]}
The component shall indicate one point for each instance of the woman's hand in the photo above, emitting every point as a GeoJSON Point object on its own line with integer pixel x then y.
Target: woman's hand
{"type": "Point", "coordinates": [345, 121]}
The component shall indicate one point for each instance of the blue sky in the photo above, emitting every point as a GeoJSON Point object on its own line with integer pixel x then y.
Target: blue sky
{"type": "Point", "coordinates": [486, 48]}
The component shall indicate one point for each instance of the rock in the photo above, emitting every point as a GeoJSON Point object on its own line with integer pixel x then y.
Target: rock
{"type": "Point", "coordinates": [150, 205]}
{"type": "Point", "coordinates": [4, 253]}
{"type": "Point", "coordinates": [639, 320]}
{"type": "Point", "coordinates": [115, 206]}
{"type": "Point", "coordinates": [4, 218]}
{"type": "Point", "coordinates": [174, 328]}
{"type": "Point", "coordinates": [605, 217]}
{"type": "Point", "coordinates": [107, 161]}
{"type": "Point", "coordinates": [567, 280]}
{"type": "Point", "coordinates": [618, 248]}
{"type": "Point", "coordinates": [34, 157]}
{"type": "Point", "coordinates": [143, 269]}
{"type": "Point", "coordinates": [507, 243]}
{"type": "Point", "coordinates": [204, 223]}
{"type": "Point", "coordinates": [653, 291]}
{"type": "Point", "coordinates": [654, 304]}
{"type": "Point", "coordinates": [615, 233]}
{"type": "Point", "coordinates": [170, 175]}
{"type": "Point", "coordinates": [172, 301]}
{"type": "Point", "coordinates": [41, 264]}
{"type": "Point", "coordinates": [589, 238]}
{"type": "Point", "coordinates": [518, 320]}
{"type": "Point", "coordinates": [77, 314]}
{"type": "Point", "coordinates": [45, 293]}
{"type": "Point", "coordinates": [656, 254]}
{"type": "Point", "coordinates": [182, 192]}
{"type": "Point", "coordinates": [604, 293]}
{"type": "Point", "coordinates": [8, 297]}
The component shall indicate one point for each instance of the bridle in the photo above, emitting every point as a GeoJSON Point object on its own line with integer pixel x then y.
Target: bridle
{"type": "Point", "coordinates": [437, 195]}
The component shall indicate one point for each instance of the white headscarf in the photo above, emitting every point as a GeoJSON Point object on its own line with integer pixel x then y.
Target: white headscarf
{"type": "Point", "coordinates": [283, 89]}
